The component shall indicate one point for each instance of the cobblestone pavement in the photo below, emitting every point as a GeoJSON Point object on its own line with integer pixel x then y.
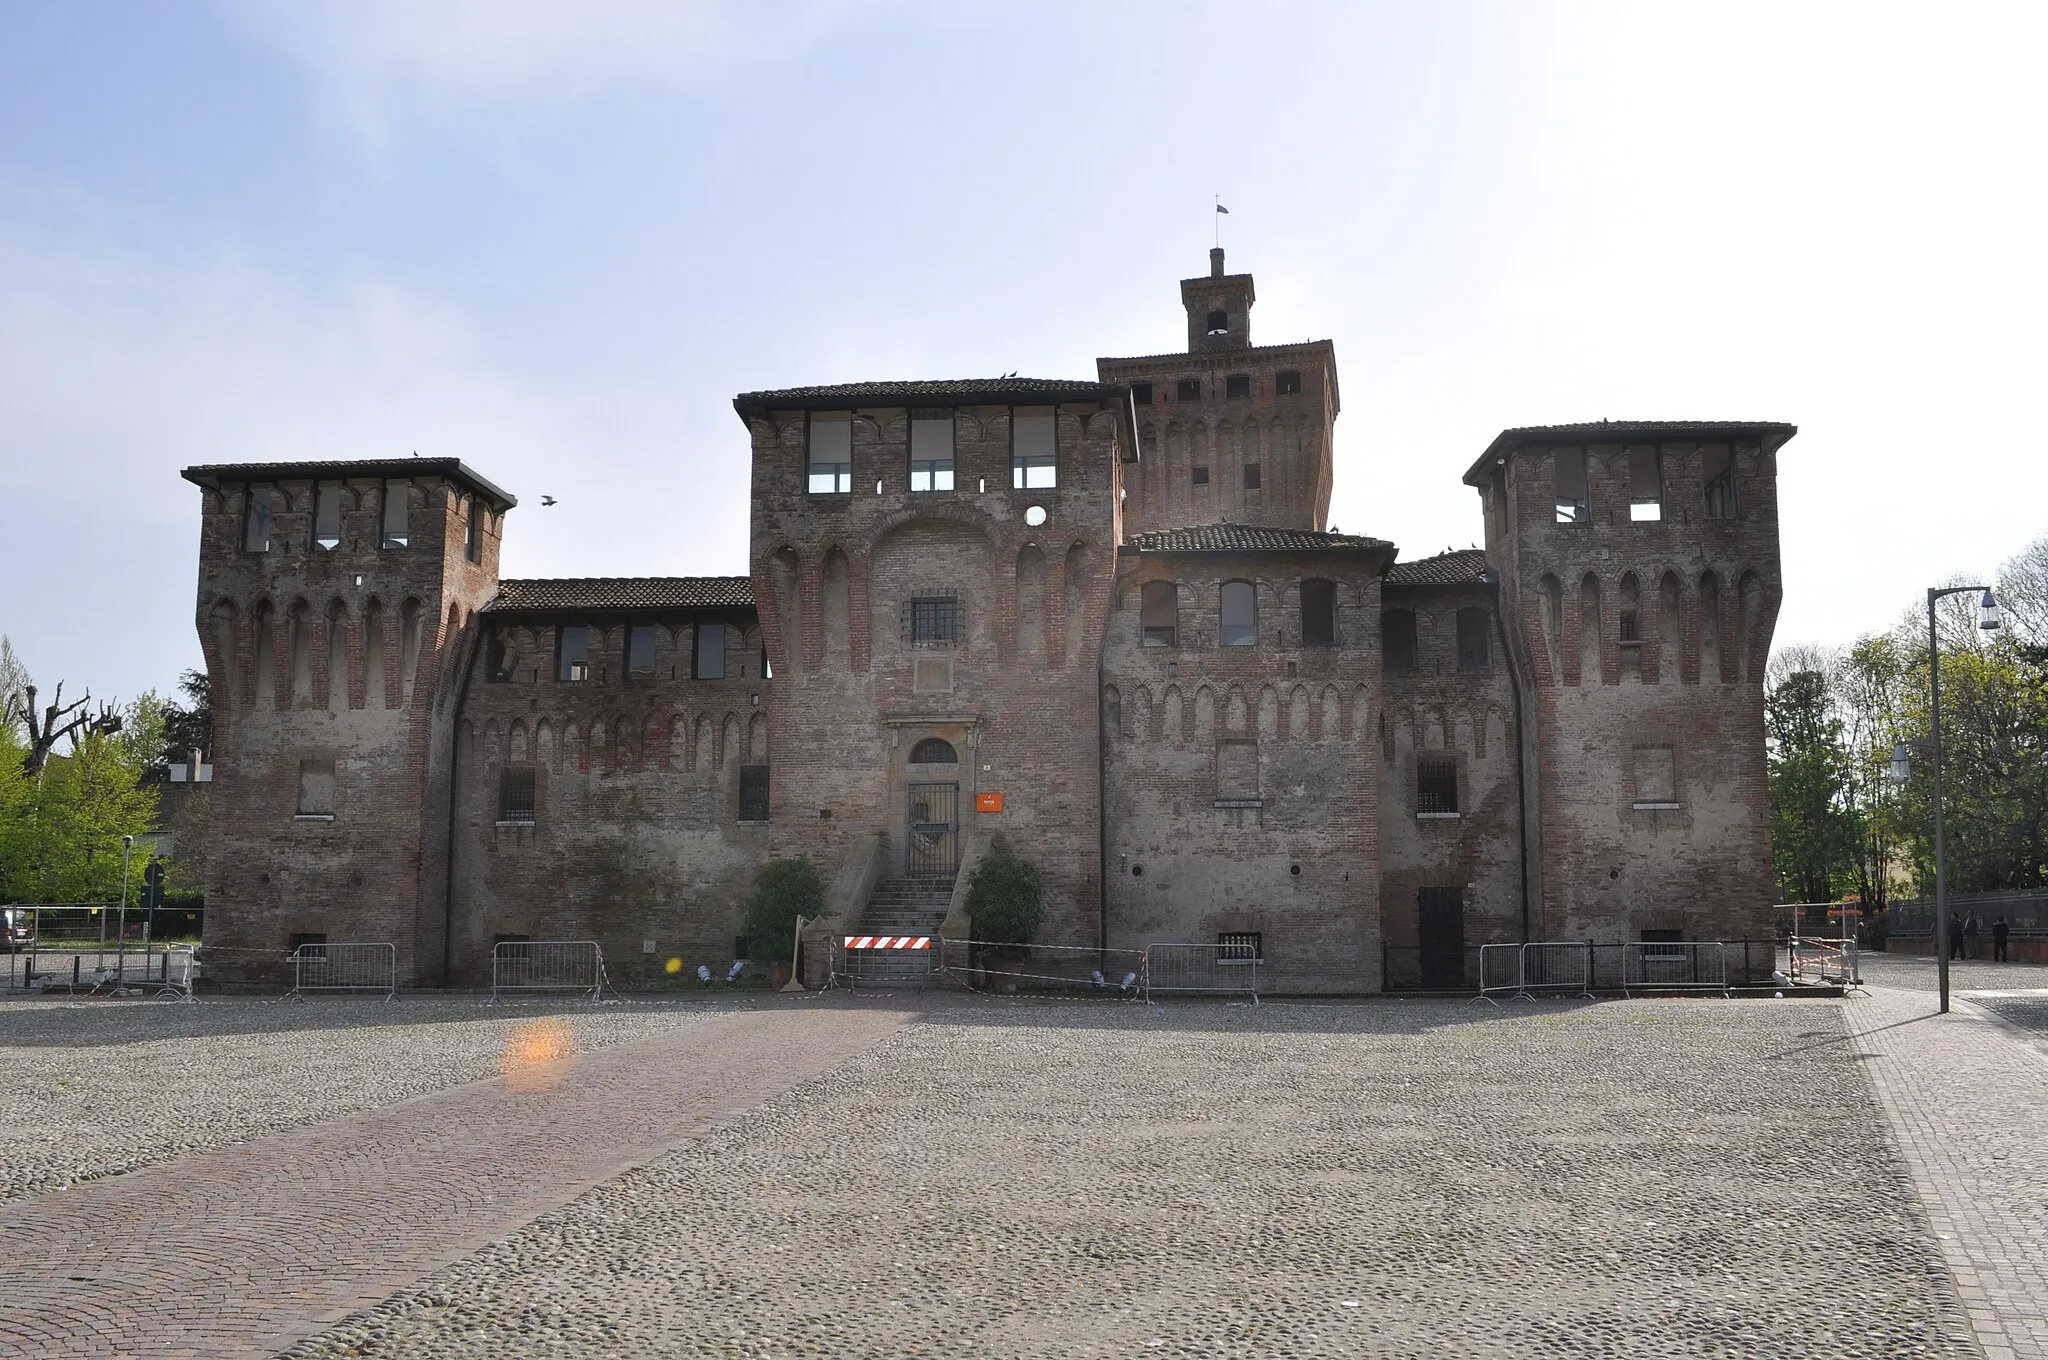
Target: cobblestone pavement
{"type": "Point", "coordinates": [1967, 1097]}
{"type": "Point", "coordinates": [1400, 1179]}
{"type": "Point", "coordinates": [246, 1248]}
{"type": "Point", "coordinates": [104, 1087]}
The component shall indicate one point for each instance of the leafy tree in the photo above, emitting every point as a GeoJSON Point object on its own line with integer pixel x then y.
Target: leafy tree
{"type": "Point", "coordinates": [1814, 830]}
{"type": "Point", "coordinates": [66, 840]}
{"type": "Point", "coordinates": [784, 889]}
{"type": "Point", "coordinates": [1005, 899]}
{"type": "Point", "coordinates": [189, 726]}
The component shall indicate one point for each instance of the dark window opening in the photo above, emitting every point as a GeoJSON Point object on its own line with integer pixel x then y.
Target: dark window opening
{"type": "Point", "coordinates": [753, 793]}
{"type": "Point", "coordinates": [1219, 323]}
{"type": "Point", "coordinates": [572, 653]}
{"type": "Point", "coordinates": [1568, 472]}
{"type": "Point", "coordinates": [935, 620]}
{"type": "Point", "coordinates": [501, 658]}
{"type": "Point", "coordinates": [1251, 476]}
{"type": "Point", "coordinates": [1398, 649]}
{"type": "Point", "coordinates": [473, 531]}
{"type": "Point", "coordinates": [1034, 448]}
{"type": "Point", "coordinates": [934, 751]}
{"type": "Point", "coordinates": [1201, 476]}
{"type": "Point", "coordinates": [327, 518]}
{"type": "Point", "coordinates": [395, 519]}
{"type": "Point", "coordinates": [1160, 615]}
{"type": "Point", "coordinates": [515, 794]}
{"type": "Point", "coordinates": [1720, 484]}
{"type": "Point", "coordinates": [1318, 613]}
{"type": "Point", "coordinates": [829, 457]}
{"type": "Point", "coordinates": [256, 523]}
{"type": "Point", "coordinates": [1238, 618]}
{"type": "Point", "coordinates": [640, 653]}
{"type": "Point", "coordinates": [708, 659]}
{"type": "Point", "coordinates": [931, 453]}
{"type": "Point", "coordinates": [1141, 393]}
{"type": "Point", "coordinates": [1238, 385]}
{"type": "Point", "coordinates": [1631, 629]}
{"type": "Point", "coordinates": [1475, 646]}
{"type": "Point", "coordinates": [1239, 946]}
{"type": "Point", "coordinates": [1287, 383]}
{"type": "Point", "coordinates": [1188, 389]}
{"type": "Point", "coordinates": [1436, 784]}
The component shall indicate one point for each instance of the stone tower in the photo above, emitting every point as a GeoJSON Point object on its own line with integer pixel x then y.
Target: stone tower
{"type": "Point", "coordinates": [332, 597]}
{"type": "Point", "coordinates": [1229, 431]}
{"type": "Point", "coordinates": [1638, 568]}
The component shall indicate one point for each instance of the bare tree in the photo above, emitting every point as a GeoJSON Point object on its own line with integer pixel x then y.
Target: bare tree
{"type": "Point", "coordinates": [2023, 591]}
{"type": "Point", "coordinates": [14, 682]}
{"type": "Point", "coordinates": [57, 721]}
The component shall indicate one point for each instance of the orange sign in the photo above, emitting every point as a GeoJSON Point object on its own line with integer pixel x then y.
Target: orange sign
{"type": "Point", "coordinates": [988, 802]}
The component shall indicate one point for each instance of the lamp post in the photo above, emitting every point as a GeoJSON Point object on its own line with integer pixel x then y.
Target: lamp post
{"type": "Point", "coordinates": [1987, 621]}
{"type": "Point", "coordinates": [121, 942]}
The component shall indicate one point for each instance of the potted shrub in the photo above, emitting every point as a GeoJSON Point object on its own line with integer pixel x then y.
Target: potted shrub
{"type": "Point", "coordinates": [1005, 904]}
{"type": "Point", "coordinates": [784, 889]}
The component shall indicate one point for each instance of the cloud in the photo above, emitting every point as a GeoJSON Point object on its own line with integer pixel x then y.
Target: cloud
{"type": "Point", "coordinates": [375, 63]}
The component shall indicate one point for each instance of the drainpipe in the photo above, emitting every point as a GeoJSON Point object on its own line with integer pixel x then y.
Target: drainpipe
{"type": "Point", "coordinates": [454, 784]}
{"type": "Point", "coordinates": [1521, 735]}
{"type": "Point", "coordinates": [1101, 821]}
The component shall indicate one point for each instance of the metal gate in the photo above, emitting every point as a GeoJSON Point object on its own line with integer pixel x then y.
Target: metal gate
{"type": "Point", "coordinates": [933, 845]}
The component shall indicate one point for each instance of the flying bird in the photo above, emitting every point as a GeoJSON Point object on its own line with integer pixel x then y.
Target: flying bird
{"type": "Point", "coordinates": [547, 500]}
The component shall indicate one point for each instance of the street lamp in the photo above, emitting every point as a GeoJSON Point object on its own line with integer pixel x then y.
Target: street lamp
{"type": "Point", "coordinates": [1989, 622]}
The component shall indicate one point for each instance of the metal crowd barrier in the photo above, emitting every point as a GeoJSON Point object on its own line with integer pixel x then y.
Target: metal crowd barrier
{"type": "Point", "coordinates": [980, 965]}
{"type": "Point", "coordinates": [1674, 965]}
{"type": "Point", "coordinates": [883, 959]}
{"type": "Point", "coordinates": [345, 968]}
{"type": "Point", "coordinates": [1813, 958]}
{"type": "Point", "coordinates": [1500, 971]}
{"type": "Point", "coordinates": [1226, 969]}
{"type": "Point", "coordinates": [547, 966]}
{"type": "Point", "coordinates": [1557, 967]}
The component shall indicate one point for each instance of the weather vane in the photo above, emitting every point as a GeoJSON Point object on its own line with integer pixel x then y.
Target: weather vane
{"type": "Point", "coordinates": [1220, 214]}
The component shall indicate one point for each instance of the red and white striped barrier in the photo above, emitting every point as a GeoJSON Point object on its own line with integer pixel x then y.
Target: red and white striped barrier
{"type": "Point", "coordinates": [888, 942]}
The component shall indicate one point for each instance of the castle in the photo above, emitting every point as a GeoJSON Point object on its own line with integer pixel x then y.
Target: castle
{"type": "Point", "coordinates": [1102, 625]}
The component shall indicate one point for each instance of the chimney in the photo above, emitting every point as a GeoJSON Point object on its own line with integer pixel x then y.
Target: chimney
{"type": "Point", "coordinates": [1216, 262]}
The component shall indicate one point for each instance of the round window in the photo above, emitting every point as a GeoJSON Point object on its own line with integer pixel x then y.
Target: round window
{"type": "Point", "coordinates": [1035, 516]}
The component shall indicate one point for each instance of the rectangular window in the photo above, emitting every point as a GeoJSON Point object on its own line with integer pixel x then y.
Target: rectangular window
{"type": "Point", "coordinates": [1645, 485]}
{"type": "Point", "coordinates": [1251, 476]}
{"type": "Point", "coordinates": [1237, 385]}
{"type": "Point", "coordinates": [1160, 614]}
{"type": "Point", "coordinates": [501, 657]}
{"type": "Point", "coordinates": [935, 619]}
{"type": "Point", "coordinates": [316, 788]}
{"type": "Point", "coordinates": [472, 530]}
{"type": "Point", "coordinates": [1237, 615]}
{"type": "Point", "coordinates": [1568, 470]}
{"type": "Point", "coordinates": [931, 453]}
{"type": "Point", "coordinates": [1237, 772]}
{"type": "Point", "coordinates": [831, 452]}
{"type": "Point", "coordinates": [572, 653]}
{"type": "Point", "coordinates": [1287, 383]}
{"type": "Point", "coordinates": [256, 523]}
{"type": "Point", "coordinates": [1034, 449]}
{"type": "Point", "coordinates": [1398, 649]}
{"type": "Point", "coordinates": [1436, 785]}
{"type": "Point", "coordinates": [327, 518]}
{"type": "Point", "coordinates": [1188, 389]}
{"type": "Point", "coordinates": [1656, 778]}
{"type": "Point", "coordinates": [753, 793]}
{"type": "Point", "coordinates": [396, 522]}
{"type": "Point", "coordinates": [1201, 476]}
{"type": "Point", "coordinates": [1239, 946]}
{"type": "Point", "coordinates": [1141, 394]}
{"type": "Point", "coordinates": [515, 794]}
{"type": "Point", "coordinates": [1720, 483]}
{"type": "Point", "coordinates": [710, 653]}
{"type": "Point", "coordinates": [1318, 613]}
{"type": "Point", "coordinates": [1475, 651]}
{"type": "Point", "coordinates": [640, 652]}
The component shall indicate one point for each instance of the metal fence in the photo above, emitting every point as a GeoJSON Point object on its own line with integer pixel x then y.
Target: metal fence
{"type": "Point", "coordinates": [547, 966]}
{"type": "Point", "coordinates": [345, 968]}
{"type": "Point", "coordinates": [1222, 969]}
{"type": "Point", "coordinates": [91, 947]}
{"type": "Point", "coordinates": [979, 965]}
{"type": "Point", "coordinates": [2025, 912]}
{"type": "Point", "coordinates": [1674, 965]}
{"type": "Point", "coordinates": [1500, 970]}
{"type": "Point", "coordinates": [1811, 959]}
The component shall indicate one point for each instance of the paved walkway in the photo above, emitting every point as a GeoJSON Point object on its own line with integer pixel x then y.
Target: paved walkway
{"type": "Point", "coordinates": [1967, 1095]}
{"type": "Point", "coordinates": [245, 1250]}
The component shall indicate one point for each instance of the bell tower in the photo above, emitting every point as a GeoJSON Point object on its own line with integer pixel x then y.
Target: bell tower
{"type": "Point", "coordinates": [1219, 308]}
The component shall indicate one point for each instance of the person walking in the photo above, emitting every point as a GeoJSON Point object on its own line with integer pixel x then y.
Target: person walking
{"type": "Point", "coordinates": [2000, 933]}
{"type": "Point", "coordinates": [1955, 937]}
{"type": "Point", "coordinates": [1973, 948]}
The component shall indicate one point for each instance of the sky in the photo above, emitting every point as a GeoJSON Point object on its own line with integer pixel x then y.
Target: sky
{"type": "Point", "coordinates": [555, 240]}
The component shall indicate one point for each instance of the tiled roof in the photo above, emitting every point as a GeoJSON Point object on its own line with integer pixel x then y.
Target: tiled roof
{"type": "Point", "coordinates": [336, 469]}
{"type": "Point", "coordinates": [1247, 538]}
{"type": "Point", "coordinates": [1772, 432]}
{"type": "Point", "coordinates": [624, 592]}
{"type": "Point", "coordinates": [993, 391]}
{"type": "Point", "coordinates": [1213, 357]}
{"type": "Point", "coordinates": [1462, 567]}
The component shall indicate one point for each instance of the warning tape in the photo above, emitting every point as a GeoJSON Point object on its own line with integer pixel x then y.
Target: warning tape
{"type": "Point", "coordinates": [888, 942]}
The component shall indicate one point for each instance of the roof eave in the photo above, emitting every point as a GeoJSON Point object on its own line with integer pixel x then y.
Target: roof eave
{"type": "Point", "coordinates": [1771, 434]}
{"type": "Point", "coordinates": [213, 475]}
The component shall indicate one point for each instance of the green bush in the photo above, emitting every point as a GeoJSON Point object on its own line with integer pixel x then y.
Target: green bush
{"type": "Point", "coordinates": [784, 889]}
{"type": "Point", "coordinates": [1005, 899]}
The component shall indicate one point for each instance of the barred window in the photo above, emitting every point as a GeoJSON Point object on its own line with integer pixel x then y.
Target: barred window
{"type": "Point", "coordinates": [515, 794]}
{"type": "Point", "coordinates": [831, 452]}
{"type": "Point", "coordinates": [1436, 784]}
{"type": "Point", "coordinates": [1240, 946]}
{"type": "Point", "coordinates": [936, 620]}
{"type": "Point", "coordinates": [753, 793]}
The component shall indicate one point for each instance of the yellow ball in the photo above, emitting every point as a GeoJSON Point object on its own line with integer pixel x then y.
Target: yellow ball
{"type": "Point", "coordinates": [675, 965]}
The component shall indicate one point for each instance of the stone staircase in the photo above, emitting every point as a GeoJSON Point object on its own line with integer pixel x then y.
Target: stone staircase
{"type": "Point", "coordinates": [901, 906]}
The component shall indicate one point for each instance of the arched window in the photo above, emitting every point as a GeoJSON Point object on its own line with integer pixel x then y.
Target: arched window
{"type": "Point", "coordinates": [934, 751]}
{"type": "Point", "coordinates": [1318, 613]}
{"type": "Point", "coordinates": [1398, 651]}
{"type": "Point", "coordinates": [1238, 624]}
{"type": "Point", "coordinates": [1161, 614]}
{"type": "Point", "coordinates": [1219, 323]}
